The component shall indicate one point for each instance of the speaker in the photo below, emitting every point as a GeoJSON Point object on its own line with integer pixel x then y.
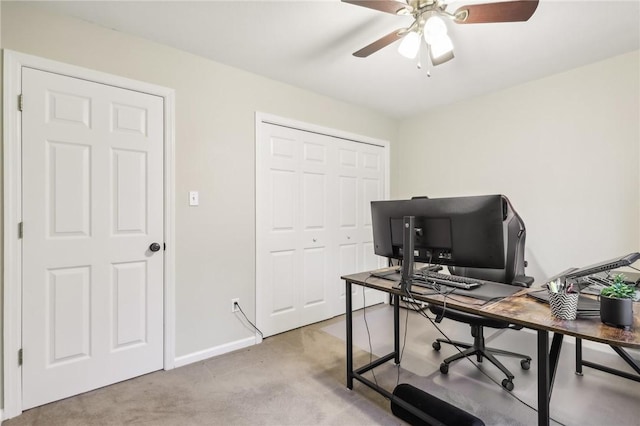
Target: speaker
{"type": "Point", "coordinates": [441, 411]}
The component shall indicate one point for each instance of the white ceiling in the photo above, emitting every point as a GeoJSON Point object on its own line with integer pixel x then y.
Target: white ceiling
{"type": "Point", "coordinates": [309, 44]}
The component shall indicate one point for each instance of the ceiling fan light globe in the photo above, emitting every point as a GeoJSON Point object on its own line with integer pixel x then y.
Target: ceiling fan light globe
{"type": "Point", "coordinates": [441, 46]}
{"type": "Point", "coordinates": [410, 45]}
{"type": "Point", "coordinates": [434, 28]}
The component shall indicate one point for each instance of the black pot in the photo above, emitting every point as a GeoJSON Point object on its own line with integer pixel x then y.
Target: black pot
{"type": "Point", "coordinates": [616, 312]}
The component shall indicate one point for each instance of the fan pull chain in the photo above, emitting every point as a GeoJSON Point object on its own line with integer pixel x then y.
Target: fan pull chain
{"type": "Point", "coordinates": [428, 62]}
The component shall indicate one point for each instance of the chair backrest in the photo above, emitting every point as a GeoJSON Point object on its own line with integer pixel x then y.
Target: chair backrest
{"type": "Point", "coordinates": [515, 235]}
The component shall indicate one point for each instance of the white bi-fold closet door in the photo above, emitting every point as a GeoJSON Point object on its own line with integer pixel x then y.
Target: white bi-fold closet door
{"type": "Point", "coordinates": [313, 223]}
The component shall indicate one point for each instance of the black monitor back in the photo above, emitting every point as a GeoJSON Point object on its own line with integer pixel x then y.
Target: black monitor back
{"type": "Point", "coordinates": [457, 231]}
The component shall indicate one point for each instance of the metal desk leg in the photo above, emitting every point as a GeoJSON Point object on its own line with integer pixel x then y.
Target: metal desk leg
{"type": "Point", "coordinates": [554, 354]}
{"type": "Point", "coordinates": [543, 378]}
{"type": "Point", "coordinates": [396, 328]}
{"type": "Point", "coordinates": [578, 356]}
{"type": "Point", "coordinates": [634, 364]}
{"type": "Point", "coordinates": [349, 321]}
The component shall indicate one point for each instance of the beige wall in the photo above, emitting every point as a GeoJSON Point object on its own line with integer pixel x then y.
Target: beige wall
{"type": "Point", "coordinates": [215, 112]}
{"type": "Point", "coordinates": [565, 149]}
{"type": "Point", "coordinates": [1, 221]}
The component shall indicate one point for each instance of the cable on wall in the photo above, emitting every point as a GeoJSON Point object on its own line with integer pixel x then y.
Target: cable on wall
{"type": "Point", "coordinates": [248, 320]}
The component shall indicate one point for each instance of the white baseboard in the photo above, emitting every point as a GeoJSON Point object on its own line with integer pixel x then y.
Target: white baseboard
{"type": "Point", "coordinates": [215, 351]}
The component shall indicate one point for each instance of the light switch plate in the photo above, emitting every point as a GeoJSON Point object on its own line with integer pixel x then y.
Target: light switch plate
{"type": "Point", "coordinates": [193, 198]}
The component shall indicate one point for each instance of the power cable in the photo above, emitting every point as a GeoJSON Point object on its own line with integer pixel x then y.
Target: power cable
{"type": "Point", "coordinates": [248, 320]}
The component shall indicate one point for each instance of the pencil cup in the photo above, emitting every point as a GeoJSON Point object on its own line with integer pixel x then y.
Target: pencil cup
{"type": "Point", "coordinates": [564, 305]}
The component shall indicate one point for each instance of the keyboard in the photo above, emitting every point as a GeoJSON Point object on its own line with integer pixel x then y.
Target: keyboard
{"type": "Point", "coordinates": [448, 280]}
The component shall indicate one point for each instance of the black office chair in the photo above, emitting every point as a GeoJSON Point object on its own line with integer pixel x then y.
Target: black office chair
{"type": "Point", "coordinates": [513, 274]}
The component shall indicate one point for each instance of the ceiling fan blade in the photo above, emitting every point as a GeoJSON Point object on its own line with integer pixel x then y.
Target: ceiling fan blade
{"type": "Point", "coordinates": [508, 11]}
{"type": "Point", "coordinates": [380, 43]}
{"type": "Point", "coordinates": [388, 6]}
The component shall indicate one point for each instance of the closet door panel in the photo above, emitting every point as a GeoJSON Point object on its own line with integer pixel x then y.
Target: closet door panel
{"type": "Point", "coordinates": [313, 224]}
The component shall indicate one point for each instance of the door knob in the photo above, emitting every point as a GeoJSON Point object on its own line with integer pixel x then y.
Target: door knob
{"type": "Point", "coordinates": [154, 247]}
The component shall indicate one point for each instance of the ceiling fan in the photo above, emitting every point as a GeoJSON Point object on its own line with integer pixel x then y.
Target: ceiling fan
{"type": "Point", "coordinates": [428, 23]}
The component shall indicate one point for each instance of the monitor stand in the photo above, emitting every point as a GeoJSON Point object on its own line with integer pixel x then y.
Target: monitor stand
{"type": "Point", "coordinates": [408, 238]}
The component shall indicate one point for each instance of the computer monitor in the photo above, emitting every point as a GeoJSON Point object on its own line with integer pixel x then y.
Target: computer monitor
{"type": "Point", "coordinates": [457, 231]}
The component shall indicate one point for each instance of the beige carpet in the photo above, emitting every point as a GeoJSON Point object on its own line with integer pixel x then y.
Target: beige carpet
{"type": "Point", "coordinates": [298, 378]}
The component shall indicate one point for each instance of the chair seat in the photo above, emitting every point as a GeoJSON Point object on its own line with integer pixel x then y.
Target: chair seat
{"type": "Point", "coordinates": [467, 318]}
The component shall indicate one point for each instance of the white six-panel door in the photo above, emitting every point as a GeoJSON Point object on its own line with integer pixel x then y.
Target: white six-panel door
{"type": "Point", "coordinates": [92, 206]}
{"type": "Point", "coordinates": [313, 224]}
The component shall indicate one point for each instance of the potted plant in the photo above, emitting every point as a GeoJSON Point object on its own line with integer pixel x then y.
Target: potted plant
{"type": "Point", "coordinates": [616, 303]}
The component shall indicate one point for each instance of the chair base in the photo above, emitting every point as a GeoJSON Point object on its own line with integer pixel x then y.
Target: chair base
{"type": "Point", "coordinates": [479, 349]}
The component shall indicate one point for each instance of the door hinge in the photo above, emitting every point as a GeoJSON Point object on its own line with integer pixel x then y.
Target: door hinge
{"type": "Point", "coordinates": [20, 356]}
{"type": "Point", "coordinates": [20, 230]}
{"type": "Point", "coordinates": [20, 102]}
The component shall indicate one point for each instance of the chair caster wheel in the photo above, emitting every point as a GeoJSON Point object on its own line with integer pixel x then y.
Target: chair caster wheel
{"type": "Point", "coordinates": [436, 345]}
{"type": "Point", "coordinates": [507, 384]}
{"type": "Point", "coordinates": [525, 364]}
{"type": "Point", "coordinates": [444, 368]}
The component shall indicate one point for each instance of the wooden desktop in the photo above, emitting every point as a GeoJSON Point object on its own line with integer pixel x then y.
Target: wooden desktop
{"type": "Point", "coordinates": [518, 309]}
